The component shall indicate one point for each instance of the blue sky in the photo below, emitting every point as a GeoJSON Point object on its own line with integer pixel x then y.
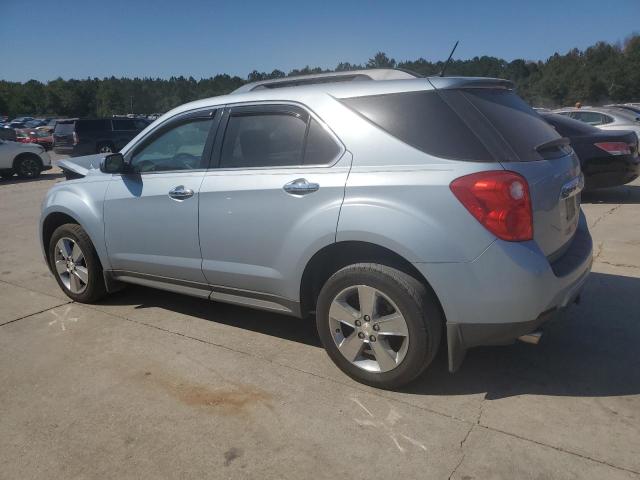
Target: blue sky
{"type": "Point", "coordinates": [160, 38]}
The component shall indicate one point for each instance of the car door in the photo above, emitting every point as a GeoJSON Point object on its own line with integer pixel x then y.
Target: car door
{"type": "Point", "coordinates": [270, 202]}
{"type": "Point", "coordinates": [151, 214]}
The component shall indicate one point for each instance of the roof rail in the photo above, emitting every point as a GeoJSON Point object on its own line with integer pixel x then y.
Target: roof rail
{"type": "Point", "coordinates": [331, 77]}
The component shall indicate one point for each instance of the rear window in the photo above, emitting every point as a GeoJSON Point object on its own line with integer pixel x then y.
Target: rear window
{"type": "Point", "coordinates": [481, 124]}
{"type": "Point", "coordinates": [86, 126]}
{"type": "Point", "coordinates": [567, 127]}
{"type": "Point", "coordinates": [520, 126]}
{"type": "Point", "coordinates": [64, 128]}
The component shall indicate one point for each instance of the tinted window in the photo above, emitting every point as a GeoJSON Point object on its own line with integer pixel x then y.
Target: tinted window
{"type": "Point", "coordinates": [64, 128]}
{"type": "Point", "coordinates": [267, 139]}
{"type": "Point", "coordinates": [424, 121]}
{"type": "Point", "coordinates": [592, 118]}
{"type": "Point", "coordinates": [568, 127]}
{"type": "Point", "coordinates": [179, 148]}
{"type": "Point", "coordinates": [140, 124]}
{"type": "Point", "coordinates": [516, 122]}
{"type": "Point", "coordinates": [88, 126]}
{"type": "Point", "coordinates": [123, 125]}
{"type": "Point", "coordinates": [320, 148]}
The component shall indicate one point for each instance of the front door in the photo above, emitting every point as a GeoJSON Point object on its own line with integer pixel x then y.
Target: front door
{"type": "Point", "coordinates": [151, 214]}
{"type": "Point", "coordinates": [271, 200]}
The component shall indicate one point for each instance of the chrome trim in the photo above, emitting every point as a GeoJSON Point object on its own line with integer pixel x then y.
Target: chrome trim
{"type": "Point", "coordinates": [572, 187]}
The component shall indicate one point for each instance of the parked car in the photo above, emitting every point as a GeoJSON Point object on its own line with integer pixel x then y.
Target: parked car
{"type": "Point", "coordinates": [396, 211]}
{"type": "Point", "coordinates": [40, 137]}
{"type": "Point", "coordinates": [78, 137]}
{"type": "Point", "coordinates": [8, 134]}
{"type": "Point", "coordinates": [27, 160]}
{"type": "Point", "coordinates": [604, 118]}
{"type": "Point", "coordinates": [608, 157]}
{"type": "Point", "coordinates": [635, 108]}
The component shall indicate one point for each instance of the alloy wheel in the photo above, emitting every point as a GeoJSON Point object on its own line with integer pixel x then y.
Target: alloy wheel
{"type": "Point", "coordinates": [71, 265]}
{"type": "Point", "coordinates": [368, 328]}
{"type": "Point", "coordinates": [106, 149]}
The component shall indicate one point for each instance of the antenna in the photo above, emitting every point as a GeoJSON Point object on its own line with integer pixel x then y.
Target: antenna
{"type": "Point", "coordinates": [446, 64]}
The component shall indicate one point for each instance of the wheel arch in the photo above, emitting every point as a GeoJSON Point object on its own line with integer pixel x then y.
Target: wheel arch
{"type": "Point", "coordinates": [331, 258]}
{"type": "Point", "coordinates": [22, 155]}
{"type": "Point", "coordinates": [66, 207]}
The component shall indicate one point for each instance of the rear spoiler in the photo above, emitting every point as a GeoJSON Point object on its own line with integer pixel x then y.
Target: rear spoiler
{"type": "Point", "coordinates": [441, 83]}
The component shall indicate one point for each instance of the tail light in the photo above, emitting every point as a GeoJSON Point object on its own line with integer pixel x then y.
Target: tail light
{"type": "Point", "coordinates": [500, 201]}
{"type": "Point", "coordinates": [75, 138]}
{"type": "Point", "coordinates": [615, 148]}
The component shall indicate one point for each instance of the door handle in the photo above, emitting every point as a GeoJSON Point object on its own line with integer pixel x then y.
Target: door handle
{"type": "Point", "coordinates": [180, 193]}
{"type": "Point", "coordinates": [300, 186]}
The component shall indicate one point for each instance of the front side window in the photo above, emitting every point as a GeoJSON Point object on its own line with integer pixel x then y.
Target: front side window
{"type": "Point", "coordinates": [179, 148]}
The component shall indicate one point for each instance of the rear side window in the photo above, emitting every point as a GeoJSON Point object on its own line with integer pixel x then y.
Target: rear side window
{"type": "Point", "coordinates": [90, 126]}
{"type": "Point", "coordinates": [124, 125]}
{"type": "Point", "coordinates": [423, 120]}
{"type": "Point", "coordinates": [482, 124]}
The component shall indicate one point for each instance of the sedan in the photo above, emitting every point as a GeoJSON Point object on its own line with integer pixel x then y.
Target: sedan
{"type": "Point", "coordinates": [604, 118]}
{"type": "Point", "coordinates": [608, 158]}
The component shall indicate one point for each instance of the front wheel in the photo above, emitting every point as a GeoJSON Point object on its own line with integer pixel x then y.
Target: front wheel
{"type": "Point", "coordinates": [75, 264]}
{"type": "Point", "coordinates": [379, 325]}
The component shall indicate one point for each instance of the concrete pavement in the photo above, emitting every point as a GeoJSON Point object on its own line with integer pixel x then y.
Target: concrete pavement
{"type": "Point", "coordinates": [153, 385]}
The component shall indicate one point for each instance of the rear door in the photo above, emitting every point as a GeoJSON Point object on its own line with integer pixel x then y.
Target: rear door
{"type": "Point", "coordinates": [271, 200]}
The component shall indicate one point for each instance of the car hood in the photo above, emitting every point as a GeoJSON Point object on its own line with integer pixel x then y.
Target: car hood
{"type": "Point", "coordinates": [81, 166]}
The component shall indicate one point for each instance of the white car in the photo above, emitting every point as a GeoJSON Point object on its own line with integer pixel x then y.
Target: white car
{"type": "Point", "coordinates": [28, 160]}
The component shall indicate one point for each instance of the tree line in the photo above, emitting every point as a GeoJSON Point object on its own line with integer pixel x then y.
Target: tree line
{"type": "Point", "coordinates": [600, 74]}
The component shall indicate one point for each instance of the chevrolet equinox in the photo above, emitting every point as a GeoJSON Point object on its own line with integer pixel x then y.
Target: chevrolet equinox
{"type": "Point", "coordinates": [398, 210]}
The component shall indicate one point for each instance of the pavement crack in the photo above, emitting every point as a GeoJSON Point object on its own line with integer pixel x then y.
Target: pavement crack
{"type": "Point", "coordinates": [605, 214]}
{"type": "Point", "coordinates": [456, 467]}
{"type": "Point", "coordinates": [34, 313]}
{"type": "Point", "coordinates": [560, 449]}
{"type": "Point", "coordinates": [622, 265]}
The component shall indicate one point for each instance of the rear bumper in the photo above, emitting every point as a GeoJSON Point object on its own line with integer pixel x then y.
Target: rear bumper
{"type": "Point", "coordinates": [611, 171]}
{"type": "Point", "coordinates": [508, 291]}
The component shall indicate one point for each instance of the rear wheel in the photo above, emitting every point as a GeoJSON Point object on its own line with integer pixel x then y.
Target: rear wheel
{"type": "Point", "coordinates": [28, 166]}
{"type": "Point", "coordinates": [75, 264]}
{"type": "Point", "coordinates": [379, 325]}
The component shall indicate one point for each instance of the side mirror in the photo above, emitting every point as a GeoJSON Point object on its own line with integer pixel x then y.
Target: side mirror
{"type": "Point", "coordinates": [113, 163]}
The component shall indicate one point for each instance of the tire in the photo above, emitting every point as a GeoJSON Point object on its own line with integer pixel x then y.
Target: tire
{"type": "Point", "coordinates": [397, 293]}
{"type": "Point", "coordinates": [6, 174]}
{"type": "Point", "coordinates": [105, 148]}
{"type": "Point", "coordinates": [28, 166]}
{"type": "Point", "coordinates": [93, 288]}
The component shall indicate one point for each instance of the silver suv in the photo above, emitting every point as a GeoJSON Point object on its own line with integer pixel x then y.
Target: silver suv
{"type": "Point", "coordinates": [396, 209]}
